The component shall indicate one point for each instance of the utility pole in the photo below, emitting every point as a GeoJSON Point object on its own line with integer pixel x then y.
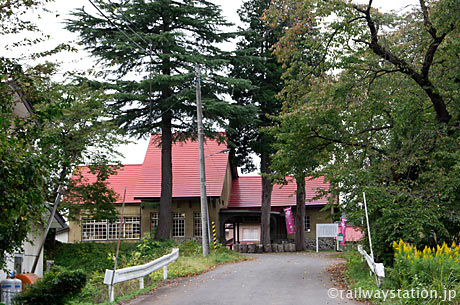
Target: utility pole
{"type": "Point", "coordinates": [60, 192]}
{"type": "Point", "coordinates": [204, 199]}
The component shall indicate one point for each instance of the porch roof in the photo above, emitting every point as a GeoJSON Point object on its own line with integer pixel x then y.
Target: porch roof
{"type": "Point", "coordinates": [247, 192]}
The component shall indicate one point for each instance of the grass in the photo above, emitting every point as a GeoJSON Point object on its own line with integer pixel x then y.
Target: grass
{"type": "Point", "coordinates": [411, 270]}
{"type": "Point", "coordinates": [94, 258]}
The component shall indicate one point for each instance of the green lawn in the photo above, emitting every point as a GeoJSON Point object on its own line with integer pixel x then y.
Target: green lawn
{"type": "Point", "coordinates": [94, 258]}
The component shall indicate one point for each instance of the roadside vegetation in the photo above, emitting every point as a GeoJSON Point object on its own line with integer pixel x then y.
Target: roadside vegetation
{"type": "Point", "coordinates": [434, 272]}
{"type": "Point", "coordinates": [94, 258]}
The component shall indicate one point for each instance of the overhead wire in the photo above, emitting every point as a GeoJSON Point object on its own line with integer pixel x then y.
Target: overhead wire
{"type": "Point", "coordinates": [138, 45]}
{"type": "Point", "coordinates": [116, 26]}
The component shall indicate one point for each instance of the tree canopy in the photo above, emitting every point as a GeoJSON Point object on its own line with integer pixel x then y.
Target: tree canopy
{"type": "Point", "coordinates": [162, 41]}
{"type": "Point", "coordinates": [64, 125]}
{"type": "Point", "coordinates": [256, 63]}
{"type": "Point", "coordinates": [374, 97]}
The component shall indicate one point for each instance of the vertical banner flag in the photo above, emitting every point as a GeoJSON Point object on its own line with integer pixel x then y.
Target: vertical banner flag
{"type": "Point", "coordinates": [342, 229]}
{"type": "Point", "coordinates": [289, 221]}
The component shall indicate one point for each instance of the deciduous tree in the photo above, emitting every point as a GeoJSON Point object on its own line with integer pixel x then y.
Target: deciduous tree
{"type": "Point", "coordinates": [379, 101]}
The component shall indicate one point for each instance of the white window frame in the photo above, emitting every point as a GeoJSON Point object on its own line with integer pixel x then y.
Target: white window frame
{"type": "Point", "coordinates": [103, 230]}
{"type": "Point", "coordinates": [178, 223]}
{"type": "Point", "coordinates": [254, 234]}
{"type": "Point", "coordinates": [197, 224]}
{"type": "Point", "coordinates": [153, 221]}
{"type": "Point", "coordinates": [307, 223]}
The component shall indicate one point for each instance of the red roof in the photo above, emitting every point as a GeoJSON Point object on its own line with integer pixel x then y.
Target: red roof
{"type": "Point", "coordinates": [185, 167]}
{"type": "Point", "coordinates": [126, 176]}
{"type": "Point", "coordinates": [247, 192]}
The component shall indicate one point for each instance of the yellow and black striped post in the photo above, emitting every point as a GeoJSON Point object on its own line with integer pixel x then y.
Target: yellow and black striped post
{"type": "Point", "coordinates": [214, 236]}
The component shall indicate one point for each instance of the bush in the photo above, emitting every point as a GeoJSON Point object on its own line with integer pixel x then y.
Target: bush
{"type": "Point", "coordinates": [88, 256]}
{"type": "Point", "coordinates": [414, 268]}
{"type": "Point", "coordinates": [55, 288]}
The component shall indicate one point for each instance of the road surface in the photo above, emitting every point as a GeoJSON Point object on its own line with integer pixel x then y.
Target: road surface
{"type": "Point", "coordinates": [281, 278]}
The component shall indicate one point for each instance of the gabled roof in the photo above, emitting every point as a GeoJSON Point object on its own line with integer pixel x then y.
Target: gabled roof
{"type": "Point", "coordinates": [246, 192]}
{"type": "Point", "coordinates": [126, 176]}
{"type": "Point", "coordinates": [185, 168]}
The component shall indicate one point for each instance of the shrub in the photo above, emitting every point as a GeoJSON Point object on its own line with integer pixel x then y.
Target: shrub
{"type": "Point", "coordinates": [416, 268]}
{"type": "Point", "coordinates": [55, 288]}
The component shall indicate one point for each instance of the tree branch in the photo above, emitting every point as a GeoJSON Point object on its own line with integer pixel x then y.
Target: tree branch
{"type": "Point", "coordinates": [422, 79]}
{"type": "Point", "coordinates": [382, 151]}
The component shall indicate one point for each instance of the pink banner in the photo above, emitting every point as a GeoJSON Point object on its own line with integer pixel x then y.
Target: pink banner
{"type": "Point", "coordinates": [343, 229]}
{"type": "Point", "coordinates": [289, 221]}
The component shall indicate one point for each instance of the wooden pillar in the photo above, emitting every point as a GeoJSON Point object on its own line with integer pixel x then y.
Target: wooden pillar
{"type": "Point", "coordinates": [234, 233]}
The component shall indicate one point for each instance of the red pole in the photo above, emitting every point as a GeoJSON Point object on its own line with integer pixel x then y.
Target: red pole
{"type": "Point", "coordinates": [118, 244]}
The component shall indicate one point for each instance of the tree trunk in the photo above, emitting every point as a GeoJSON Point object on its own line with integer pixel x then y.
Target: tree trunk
{"type": "Point", "coordinates": [233, 167]}
{"type": "Point", "coordinates": [300, 215]}
{"type": "Point", "coordinates": [165, 215]}
{"type": "Point", "coordinates": [267, 188]}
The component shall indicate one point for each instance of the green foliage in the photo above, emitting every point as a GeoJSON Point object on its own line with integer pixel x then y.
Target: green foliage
{"type": "Point", "coordinates": [94, 258]}
{"type": "Point", "coordinates": [431, 269]}
{"type": "Point", "coordinates": [23, 174]}
{"type": "Point", "coordinates": [168, 39]}
{"type": "Point", "coordinates": [88, 256]}
{"type": "Point", "coordinates": [54, 288]}
{"type": "Point", "coordinates": [371, 103]}
{"type": "Point", "coordinates": [181, 34]}
{"type": "Point", "coordinates": [255, 62]}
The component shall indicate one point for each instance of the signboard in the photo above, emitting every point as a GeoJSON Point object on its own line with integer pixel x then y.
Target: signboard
{"type": "Point", "coordinates": [326, 230]}
{"type": "Point", "coordinates": [289, 221]}
{"type": "Point", "coordinates": [340, 238]}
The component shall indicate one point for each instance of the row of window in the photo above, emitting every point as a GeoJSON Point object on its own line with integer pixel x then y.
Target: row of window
{"type": "Point", "coordinates": [104, 230]}
{"type": "Point", "coordinates": [131, 229]}
{"type": "Point", "coordinates": [178, 224]}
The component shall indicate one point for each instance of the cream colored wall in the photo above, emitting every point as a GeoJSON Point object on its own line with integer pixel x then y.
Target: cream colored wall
{"type": "Point", "coordinates": [316, 216]}
{"type": "Point", "coordinates": [187, 206]}
{"type": "Point", "coordinates": [28, 254]}
{"type": "Point", "coordinates": [75, 226]}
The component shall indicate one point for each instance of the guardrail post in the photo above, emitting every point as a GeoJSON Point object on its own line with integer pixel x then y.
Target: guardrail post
{"type": "Point", "coordinates": [138, 272]}
{"type": "Point", "coordinates": [111, 293]}
{"type": "Point", "coordinates": [141, 283]}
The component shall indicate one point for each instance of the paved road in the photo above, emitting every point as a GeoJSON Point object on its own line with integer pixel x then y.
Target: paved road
{"type": "Point", "coordinates": [284, 278]}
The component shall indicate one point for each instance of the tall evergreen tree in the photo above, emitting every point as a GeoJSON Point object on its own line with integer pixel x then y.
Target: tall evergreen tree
{"type": "Point", "coordinates": [163, 40]}
{"type": "Point", "coordinates": [260, 67]}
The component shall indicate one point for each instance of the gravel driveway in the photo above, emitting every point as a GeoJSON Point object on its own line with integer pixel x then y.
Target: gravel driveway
{"type": "Point", "coordinates": [281, 278]}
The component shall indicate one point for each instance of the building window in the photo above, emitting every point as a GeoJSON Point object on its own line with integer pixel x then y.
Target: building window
{"type": "Point", "coordinates": [178, 229]}
{"type": "Point", "coordinates": [197, 224]}
{"type": "Point", "coordinates": [307, 223]}
{"type": "Point", "coordinates": [131, 228]}
{"type": "Point", "coordinates": [94, 230]}
{"type": "Point", "coordinates": [103, 230]}
{"type": "Point", "coordinates": [250, 234]}
{"type": "Point", "coordinates": [153, 222]}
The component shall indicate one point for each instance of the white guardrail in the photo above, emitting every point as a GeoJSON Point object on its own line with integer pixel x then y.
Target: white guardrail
{"type": "Point", "coordinates": [138, 272]}
{"type": "Point", "coordinates": [377, 268]}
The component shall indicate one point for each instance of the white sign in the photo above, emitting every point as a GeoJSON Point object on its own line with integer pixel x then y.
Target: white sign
{"type": "Point", "coordinates": [326, 230]}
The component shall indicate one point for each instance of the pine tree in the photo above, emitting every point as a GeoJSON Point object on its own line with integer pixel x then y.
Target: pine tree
{"type": "Point", "coordinates": [260, 67]}
{"type": "Point", "coordinates": [163, 40]}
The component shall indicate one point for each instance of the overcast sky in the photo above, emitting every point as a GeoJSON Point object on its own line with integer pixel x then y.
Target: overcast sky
{"type": "Point", "coordinates": [52, 24]}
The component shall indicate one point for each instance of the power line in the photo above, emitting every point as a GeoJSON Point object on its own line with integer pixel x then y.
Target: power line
{"type": "Point", "coordinates": [116, 26]}
{"type": "Point", "coordinates": [128, 21]}
{"type": "Point", "coordinates": [138, 45]}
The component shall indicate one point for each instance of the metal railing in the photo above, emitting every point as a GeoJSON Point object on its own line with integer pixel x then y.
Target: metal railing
{"type": "Point", "coordinates": [377, 268]}
{"type": "Point", "coordinates": [138, 272]}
